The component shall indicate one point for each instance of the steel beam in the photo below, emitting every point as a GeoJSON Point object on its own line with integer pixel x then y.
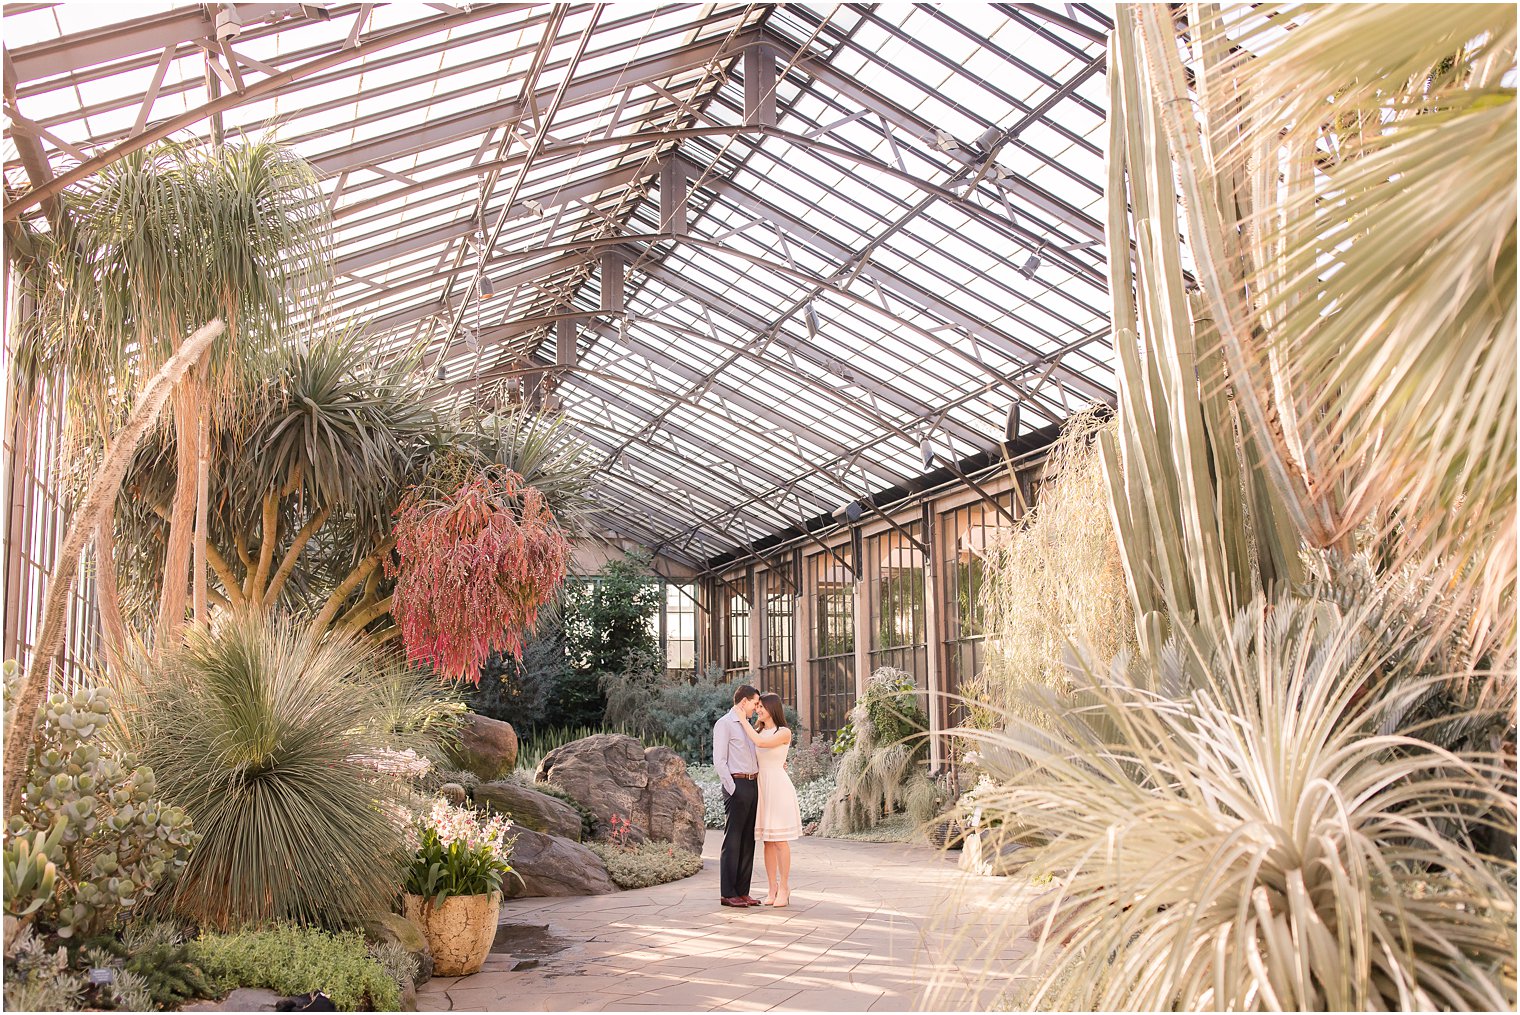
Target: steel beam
{"type": "Point", "coordinates": [440, 130]}
{"type": "Point", "coordinates": [129, 38]}
{"type": "Point", "coordinates": [267, 86]}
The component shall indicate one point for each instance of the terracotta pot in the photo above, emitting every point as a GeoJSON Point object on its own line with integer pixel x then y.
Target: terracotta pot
{"type": "Point", "coordinates": [459, 933]}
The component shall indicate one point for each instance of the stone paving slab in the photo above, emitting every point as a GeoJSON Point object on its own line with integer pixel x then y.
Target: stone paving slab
{"type": "Point", "coordinates": [871, 927]}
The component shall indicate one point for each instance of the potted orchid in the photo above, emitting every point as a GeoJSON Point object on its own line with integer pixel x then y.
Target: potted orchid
{"type": "Point", "coordinates": [453, 887]}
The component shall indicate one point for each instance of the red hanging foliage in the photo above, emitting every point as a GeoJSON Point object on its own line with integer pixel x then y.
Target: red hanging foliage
{"type": "Point", "coordinates": [473, 570]}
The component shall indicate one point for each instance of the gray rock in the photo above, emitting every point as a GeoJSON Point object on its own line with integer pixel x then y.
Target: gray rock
{"type": "Point", "coordinates": [384, 927]}
{"type": "Point", "coordinates": [241, 999]}
{"type": "Point", "coordinates": [530, 808]}
{"type": "Point", "coordinates": [551, 867]}
{"type": "Point", "coordinates": [487, 747]}
{"type": "Point", "coordinates": [615, 775]}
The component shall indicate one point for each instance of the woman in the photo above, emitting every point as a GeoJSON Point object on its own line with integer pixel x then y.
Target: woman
{"type": "Point", "coordinates": [778, 819]}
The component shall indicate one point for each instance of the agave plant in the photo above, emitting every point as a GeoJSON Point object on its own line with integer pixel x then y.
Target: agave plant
{"type": "Point", "coordinates": [266, 739]}
{"type": "Point", "coordinates": [1224, 827]}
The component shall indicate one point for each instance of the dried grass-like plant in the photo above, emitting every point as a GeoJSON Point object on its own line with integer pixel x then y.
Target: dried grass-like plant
{"type": "Point", "coordinates": [1225, 828]}
{"type": "Point", "coordinates": [1056, 578]}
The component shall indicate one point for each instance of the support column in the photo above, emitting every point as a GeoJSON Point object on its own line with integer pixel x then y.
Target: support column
{"type": "Point", "coordinates": [612, 281]}
{"type": "Point", "coordinates": [862, 622]}
{"type": "Point", "coordinates": [756, 626]}
{"type": "Point", "coordinates": [674, 178]}
{"type": "Point", "coordinates": [802, 647]}
{"type": "Point", "coordinates": [760, 86]}
{"type": "Point", "coordinates": [934, 635]}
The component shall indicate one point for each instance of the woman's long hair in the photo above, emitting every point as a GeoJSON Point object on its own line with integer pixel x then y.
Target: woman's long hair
{"type": "Point", "coordinates": [772, 703]}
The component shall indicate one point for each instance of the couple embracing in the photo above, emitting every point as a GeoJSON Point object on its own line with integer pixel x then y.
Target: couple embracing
{"type": "Point", "coordinates": [757, 795]}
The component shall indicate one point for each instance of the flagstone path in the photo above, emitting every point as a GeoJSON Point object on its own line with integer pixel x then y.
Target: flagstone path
{"type": "Point", "coordinates": [871, 927]}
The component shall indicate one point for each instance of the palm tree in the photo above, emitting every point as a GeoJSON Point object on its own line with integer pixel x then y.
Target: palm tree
{"type": "Point", "coordinates": [1349, 184]}
{"type": "Point", "coordinates": [162, 238]}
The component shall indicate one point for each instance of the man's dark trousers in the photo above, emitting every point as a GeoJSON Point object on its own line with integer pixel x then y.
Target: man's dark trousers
{"type": "Point", "coordinates": [738, 862]}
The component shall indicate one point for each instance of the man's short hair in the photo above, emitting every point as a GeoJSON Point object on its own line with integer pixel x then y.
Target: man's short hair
{"type": "Point", "coordinates": [745, 691]}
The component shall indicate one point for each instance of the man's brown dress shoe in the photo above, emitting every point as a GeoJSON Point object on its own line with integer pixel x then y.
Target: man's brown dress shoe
{"type": "Point", "coordinates": [748, 901]}
{"type": "Point", "coordinates": [736, 903]}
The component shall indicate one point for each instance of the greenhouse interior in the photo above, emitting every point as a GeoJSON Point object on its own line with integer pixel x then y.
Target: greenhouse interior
{"type": "Point", "coordinates": [739, 507]}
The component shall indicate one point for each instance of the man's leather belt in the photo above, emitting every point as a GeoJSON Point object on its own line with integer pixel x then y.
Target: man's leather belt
{"type": "Point", "coordinates": [743, 775]}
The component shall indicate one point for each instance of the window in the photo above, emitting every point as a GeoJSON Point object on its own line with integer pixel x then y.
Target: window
{"type": "Point", "coordinates": [779, 661]}
{"type": "Point", "coordinates": [680, 631]}
{"type": "Point", "coordinates": [895, 575]}
{"type": "Point", "coordinates": [736, 625]}
{"type": "Point", "coordinates": [965, 535]}
{"type": "Point", "coordinates": [831, 582]}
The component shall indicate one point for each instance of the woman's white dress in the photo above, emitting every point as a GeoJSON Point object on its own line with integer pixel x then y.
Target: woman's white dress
{"type": "Point", "coordinates": [778, 817]}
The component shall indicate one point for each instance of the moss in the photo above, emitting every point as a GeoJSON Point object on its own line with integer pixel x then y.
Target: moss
{"type": "Point", "coordinates": [292, 960]}
{"type": "Point", "coordinates": [647, 863]}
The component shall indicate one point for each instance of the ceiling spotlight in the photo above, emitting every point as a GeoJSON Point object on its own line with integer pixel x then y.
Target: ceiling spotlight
{"type": "Point", "coordinates": [1029, 267]}
{"type": "Point", "coordinates": [486, 288]}
{"type": "Point", "coordinates": [926, 448]}
{"type": "Point", "coordinates": [853, 510]}
{"type": "Point", "coordinates": [989, 137]}
{"type": "Point", "coordinates": [472, 339]}
{"type": "Point", "coordinates": [536, 207]}
{"type": "Point", "coordinates": [811, 315]}
{"type": "Point", "coordinates": [442, 373]}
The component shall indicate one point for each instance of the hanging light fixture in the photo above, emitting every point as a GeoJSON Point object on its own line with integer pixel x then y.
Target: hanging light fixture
{"type": "Point", "coordinates": [486, 288]}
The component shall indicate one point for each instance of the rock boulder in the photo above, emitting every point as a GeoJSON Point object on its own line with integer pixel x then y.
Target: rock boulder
{"type": "Point", "coordinates": [611, 774]}
{"type": "Point", "coordinates": [552, 867]}
{"type": "Point", "coordinates": [487, 747]}
{"type": "Point", "coordinates": [384, 927]}
{"type": "Point", "coordinates": [530, 808]}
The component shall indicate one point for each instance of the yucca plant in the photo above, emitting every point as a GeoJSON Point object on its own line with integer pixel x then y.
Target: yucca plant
{"type": "Point", "coordinates": [1224, 826]}
{"type": "Point", "coordinates": [263, 737]}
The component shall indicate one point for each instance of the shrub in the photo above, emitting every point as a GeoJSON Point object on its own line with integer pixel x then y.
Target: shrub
{"type": "Point", "coordinates": [707, 780]}
{"type": "Point", "coordinates": [91, 838]}
{"type": "Point", "coordinates": [810, 762]}
{"type": "Point", "coordinates": [1055, 577]}
{"type": "Point", "coordinates": [458, 853]}
{"type": "Point", "coordinates": [293, 960]}
{"type": "Point", "coordinates": [152, 964]}
{"type": "Point", "coordinates": [813, 797]}
{"type": "Point", "coordinates": [646, 864]}
{"type": "Point", "coordinates": [685, 714]}
{"type": "Point", "coordinates": [262, 737]}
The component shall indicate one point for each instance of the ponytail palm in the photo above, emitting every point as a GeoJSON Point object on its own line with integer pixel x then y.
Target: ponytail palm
{"type": "Point", "coordinates": [161, 240]}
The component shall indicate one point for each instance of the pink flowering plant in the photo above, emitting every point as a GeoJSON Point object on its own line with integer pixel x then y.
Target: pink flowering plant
{"type": "Point", "coordinates": [473, 568]}
{"type": "Point", "coordinates": [459, 853]}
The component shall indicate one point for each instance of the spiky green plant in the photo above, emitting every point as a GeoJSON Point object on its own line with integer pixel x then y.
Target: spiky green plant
{"type": "Point", "coordinates": [261, 735]}
{"type": "Point", "coordinates": [1246, 838]}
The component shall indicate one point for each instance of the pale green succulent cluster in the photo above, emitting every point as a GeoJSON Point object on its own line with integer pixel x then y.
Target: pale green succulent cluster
{"type": "Point", "coordinates": [91, 838]}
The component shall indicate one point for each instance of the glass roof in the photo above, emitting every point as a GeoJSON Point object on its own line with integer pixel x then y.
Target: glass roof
{"type": "Point", "coordinates": [892, 230]}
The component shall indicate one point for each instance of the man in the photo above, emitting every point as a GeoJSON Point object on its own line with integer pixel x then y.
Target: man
{"type": "Point", "coordinates": [734, 758]}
